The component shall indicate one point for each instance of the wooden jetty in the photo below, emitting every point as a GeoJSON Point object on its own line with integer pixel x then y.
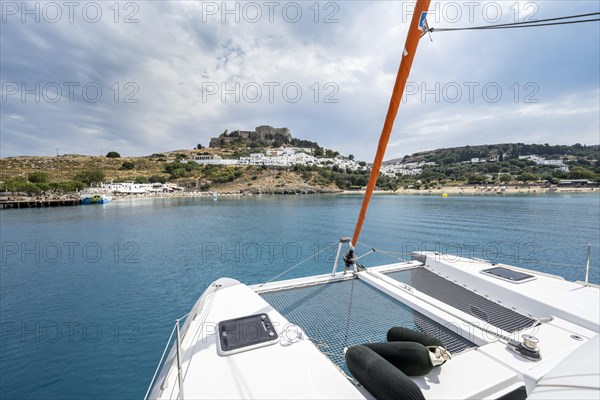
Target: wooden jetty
{"type": "Point", "coordinates": [39, 203]}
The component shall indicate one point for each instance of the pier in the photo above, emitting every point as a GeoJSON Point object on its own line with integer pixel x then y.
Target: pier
{"type": "Point", "coordinates": [39, 203]}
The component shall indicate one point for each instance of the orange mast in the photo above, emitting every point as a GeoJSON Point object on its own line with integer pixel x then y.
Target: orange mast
{"type": "Point", "coordinates": [416, 30]}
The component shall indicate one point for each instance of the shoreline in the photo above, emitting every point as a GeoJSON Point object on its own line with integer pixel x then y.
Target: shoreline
{"type": "Point", "coordinates": [448, 190]}
{"type": "Point", "coordinates": [512, 190]}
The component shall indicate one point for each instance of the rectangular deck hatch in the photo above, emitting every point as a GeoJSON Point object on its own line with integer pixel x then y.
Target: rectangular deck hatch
{"type": "Point", "coordinates": [245, 333]}
{"type": "Point", "coordinates": [508, 274]}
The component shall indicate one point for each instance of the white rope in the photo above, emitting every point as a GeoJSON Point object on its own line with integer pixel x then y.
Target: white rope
{"type": "Point", "coordinates": [298, 264]}
{"type": "Point", "coordinates": [159, 363]}
{"type": "Point", "coordinates": [384, 252]}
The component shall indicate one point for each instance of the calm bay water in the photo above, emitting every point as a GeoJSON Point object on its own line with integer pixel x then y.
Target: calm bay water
{"type": "Point", "coordinates": [88, 295]}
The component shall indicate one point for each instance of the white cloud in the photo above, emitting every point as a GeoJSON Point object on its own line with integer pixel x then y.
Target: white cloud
{"type": "Point", "coordinates": [174, 50]}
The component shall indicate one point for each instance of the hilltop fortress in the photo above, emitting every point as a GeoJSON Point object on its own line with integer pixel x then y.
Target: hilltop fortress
{"type": "Point", "coordinates": [263, 135]}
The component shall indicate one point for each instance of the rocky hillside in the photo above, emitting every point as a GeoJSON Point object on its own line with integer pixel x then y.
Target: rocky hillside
{"type": "Point", "coordinates": [34, 175]}
{"type": "Point", "coordinates": [502, 151]}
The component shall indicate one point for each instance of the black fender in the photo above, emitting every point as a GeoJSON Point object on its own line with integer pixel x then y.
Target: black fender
{"type": "Point", "coordinates": [401, 334]}
{"type": "Point", "coordinates": [379, 377]}
{"type": "Point", "coordinates": [410, 357]}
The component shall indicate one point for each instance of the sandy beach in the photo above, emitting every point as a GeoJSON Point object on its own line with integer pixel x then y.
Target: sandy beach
{"type": "Point", "coordinates": [495, 190]}
{"type": "Point", "coordinates": [448, 190]}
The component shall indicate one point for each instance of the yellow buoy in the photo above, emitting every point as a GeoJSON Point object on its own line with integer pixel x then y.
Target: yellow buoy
{"type": "Point", "coordinates": [444, 194]}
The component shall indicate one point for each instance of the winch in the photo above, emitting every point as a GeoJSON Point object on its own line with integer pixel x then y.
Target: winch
{"type": "Point", "coordinates": [528, 348]}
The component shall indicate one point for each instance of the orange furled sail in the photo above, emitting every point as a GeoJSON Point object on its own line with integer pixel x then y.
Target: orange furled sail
{"type": "Point", "coordinates": [418, 27]}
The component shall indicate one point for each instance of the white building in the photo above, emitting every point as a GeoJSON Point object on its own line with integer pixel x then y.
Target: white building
{"type": "Point", "coordinates": [410, 169]}
{"type": "Point", "coordinates": [138, 188]}
{"type": "Point", "coordinates": [290, 156]}
{"type": "Point", "coordinates": [554, 163]}
{"type": "Point", "coordinates": [208, 159]}
{"type": "Point", "coordinates": [282, 157]}
{"type": "Point", "coordinates": [542, 161]}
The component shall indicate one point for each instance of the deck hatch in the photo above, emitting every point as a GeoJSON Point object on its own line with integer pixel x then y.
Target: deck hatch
{"type": "Point", "coordinates": [508, 275]}
{"type": "Point", "coordinates": [340, 314]}
{"type": "Point", "coordinates": [463, 299]}
{"type": "Point", "coordinates": [245, 333]}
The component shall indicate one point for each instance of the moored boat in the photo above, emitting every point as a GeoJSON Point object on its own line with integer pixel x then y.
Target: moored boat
{"type": "Point", "coordinates": [95, 199]}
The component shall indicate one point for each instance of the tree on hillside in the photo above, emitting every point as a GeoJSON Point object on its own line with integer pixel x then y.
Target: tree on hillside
{"type": "Point", "coordinates": [128, 165]}
{"type": "Point", "coordinates": [477, 178]}
{"type": "Point", "coordinates": [527, 177]}
{"type": "Point", "coordinates": [38, 177]}
{"type": "Point", "coordinates": [113, 154]}
{"type": "Point", "coordinates": [505, 178]}
{"type": "Point", "coordinates": [331, 153]}
{"type": "Point", "coordinates": [157, 178]}
{"type": "Point", "coordinates": [581, 173]}
{"type": "Point", "coordinates": [90, 176]}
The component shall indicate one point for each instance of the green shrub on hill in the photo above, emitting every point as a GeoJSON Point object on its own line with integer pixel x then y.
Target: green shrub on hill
{"type": "Point", "coordinates": [38, 177]}
{"type": "Point", "coordinates": [67, 186]}
{"type": "Point", "coordinates": [157, 179]}
{"type": "Point", "coordinates": [127, 165]}
{"type": "Point", "coordinates": [90, 176]}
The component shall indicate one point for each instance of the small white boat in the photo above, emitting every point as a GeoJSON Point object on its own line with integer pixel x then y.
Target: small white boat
{"type": "Point", "coordinates": [95, 199]}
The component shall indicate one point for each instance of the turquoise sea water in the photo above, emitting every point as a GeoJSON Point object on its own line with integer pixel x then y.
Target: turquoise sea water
{"type": "Point", "coordinates": [88, 295]}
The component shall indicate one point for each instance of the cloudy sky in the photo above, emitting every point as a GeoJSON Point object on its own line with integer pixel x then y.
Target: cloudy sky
{"type": "Point", "coordinates": [144, 77]}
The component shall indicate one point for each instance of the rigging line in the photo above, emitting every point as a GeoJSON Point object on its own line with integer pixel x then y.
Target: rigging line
{"type": "Point", "coordinates": [386, 253]}
{"type": "Point", "coordinates": [298, 264]}
{"type": "Point", "coordinates": [391, 256]}
{"type": "Point", "coordinates": [511, 26]}
{"type": "Point", "coordinates": [533, 21]}
{"type": "Point", "coordinates": [379, 250]}
{"type": "Point", "coordinates": [537, 21]}
{"type": "Point", "coordinates": [152, 381]}
{"type": "Point", "coordinates": [349, 314]}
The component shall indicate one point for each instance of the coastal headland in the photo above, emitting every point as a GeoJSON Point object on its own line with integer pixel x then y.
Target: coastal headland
{"type": "Point", "coordinates": [270, 161]}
